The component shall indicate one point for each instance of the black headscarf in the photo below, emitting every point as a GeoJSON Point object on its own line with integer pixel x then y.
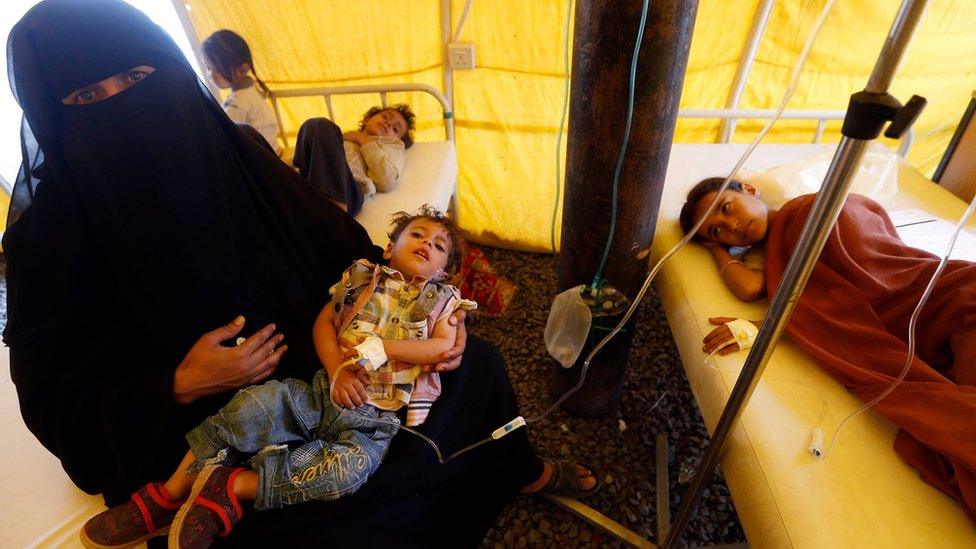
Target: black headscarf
{"type": "Point", "coordinates": [137, 224]}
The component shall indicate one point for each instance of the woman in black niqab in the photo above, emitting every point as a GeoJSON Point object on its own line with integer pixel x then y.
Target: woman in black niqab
{"type": "Point", "coordinates": [142, 221]}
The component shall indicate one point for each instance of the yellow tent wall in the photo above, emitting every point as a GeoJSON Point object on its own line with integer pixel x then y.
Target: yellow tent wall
{"type": "Point", "coordinates": [507, 110]}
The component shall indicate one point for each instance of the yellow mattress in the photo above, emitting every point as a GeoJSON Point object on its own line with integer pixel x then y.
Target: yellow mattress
{"type": "Point", "coordinates": [863, 494]}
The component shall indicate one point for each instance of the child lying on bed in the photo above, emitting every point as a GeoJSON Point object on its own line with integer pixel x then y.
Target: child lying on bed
{"type": "Point", "coordinates": [852, 318]}
{"type": "Point", "coordinates": [321, 440]}
{"type": "Point", "coordinates": [353, 166]}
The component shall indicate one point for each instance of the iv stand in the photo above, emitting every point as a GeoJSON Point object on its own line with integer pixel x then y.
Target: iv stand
{"type": "Point", "coordinates": [867, 113]}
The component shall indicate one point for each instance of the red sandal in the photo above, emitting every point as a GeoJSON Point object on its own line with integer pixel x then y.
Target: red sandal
{"type": "Point", "coordinates": [147, 515]}
{"type": "Point", "coordinates": [212, 509]}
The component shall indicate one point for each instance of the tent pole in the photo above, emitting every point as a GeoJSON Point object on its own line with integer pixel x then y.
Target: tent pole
{"type": "Point", "coordinates": [759, 21]}
{"type": "Point", "coordinates": [603, 46]}
{"type": "Point", "coordinates": [825, 210]}
{"type": "Point", "coordinates": [191, 34]}
{"type": "Point", "coordinates": [448, 73]}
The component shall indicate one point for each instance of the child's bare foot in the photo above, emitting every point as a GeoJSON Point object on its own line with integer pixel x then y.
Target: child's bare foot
{"type": "Point", "coordinates": [564, 478]}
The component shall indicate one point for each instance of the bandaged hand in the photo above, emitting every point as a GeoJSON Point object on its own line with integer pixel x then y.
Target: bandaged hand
{"type": "Point", "coordinates": [349, 386]}
{"type": "Point", "coordinates": [721, 340]}
{"type": "Point", "coordinates": [368, 352]}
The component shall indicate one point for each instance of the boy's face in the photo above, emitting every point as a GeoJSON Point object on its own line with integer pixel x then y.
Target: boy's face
{"type": "Point", "coordinates": [739, 219]}
{"type": "Point", "coordinates": [388, 123]}
{"type": "Point", "coordinates": [420, 250]}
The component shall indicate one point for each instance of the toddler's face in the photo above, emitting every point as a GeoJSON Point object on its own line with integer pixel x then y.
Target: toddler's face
{"type": "Point", "coordinates": [388, 123]}
{"type": "Point", "coordinates": [420, 250]}
{"type": "Point", "coordinates": [739, 219]}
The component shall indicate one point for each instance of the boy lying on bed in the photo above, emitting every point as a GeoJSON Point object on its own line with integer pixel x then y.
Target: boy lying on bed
{"type": "Point", "coordinates": [852, 318]}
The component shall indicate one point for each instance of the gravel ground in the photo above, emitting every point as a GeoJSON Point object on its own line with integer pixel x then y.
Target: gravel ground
{"type": "Point", "coordinates": [618, 446]}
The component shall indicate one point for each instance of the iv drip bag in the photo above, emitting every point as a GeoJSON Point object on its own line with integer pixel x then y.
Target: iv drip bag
{"type": "Point", "coordinates": [568, 326]}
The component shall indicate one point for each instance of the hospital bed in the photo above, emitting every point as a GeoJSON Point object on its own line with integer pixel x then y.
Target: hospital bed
{"type": "Point", "coordinates": [430, 168]}
{"type": "Point", "coordinates": [863, 494]}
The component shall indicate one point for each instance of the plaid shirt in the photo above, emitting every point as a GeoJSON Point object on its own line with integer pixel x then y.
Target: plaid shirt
{"type": "Point", "coordinates": [375, 299]}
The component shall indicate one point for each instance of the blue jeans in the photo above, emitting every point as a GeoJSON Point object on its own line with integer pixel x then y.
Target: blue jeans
{"type": "Point", "coordinates": [303, 447]}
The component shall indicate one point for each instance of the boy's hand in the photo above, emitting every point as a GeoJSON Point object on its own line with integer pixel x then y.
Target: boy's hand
{"type": "Point", "coordinates": [358, 137]}
{"type": "Point", "coordinates": [349, 386]}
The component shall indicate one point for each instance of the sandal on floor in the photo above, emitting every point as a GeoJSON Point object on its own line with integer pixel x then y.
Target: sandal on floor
{"type": "Point", "coordinates": [565, 481]}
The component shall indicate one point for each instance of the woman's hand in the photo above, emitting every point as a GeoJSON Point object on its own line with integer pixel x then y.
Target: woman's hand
{"type": "Point", "coordinates": [451, 358]}
{"type": "Point", "coordinates": [721, 335]}
{"type": "Point", "coordinates": [349, 386]}
{"type": "Point", "coordinates": [211, 368]}
{"type": "Point", "coordinates": [712, 245]}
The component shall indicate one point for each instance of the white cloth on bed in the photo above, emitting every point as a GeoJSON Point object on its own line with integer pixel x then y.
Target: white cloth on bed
{"type": "Point", "coordinates": [876, 177]}
{"type": "Point", "coordinates": [428, 177]}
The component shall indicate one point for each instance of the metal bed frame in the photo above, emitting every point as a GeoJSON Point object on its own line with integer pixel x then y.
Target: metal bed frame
{"type": "Point", "coordinates": [730, 116]}
{"type": "Point", "coordinates": [382, 89]}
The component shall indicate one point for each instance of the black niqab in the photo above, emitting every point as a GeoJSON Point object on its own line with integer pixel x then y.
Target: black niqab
{"type": "Point", "coordinates": [137, 224]}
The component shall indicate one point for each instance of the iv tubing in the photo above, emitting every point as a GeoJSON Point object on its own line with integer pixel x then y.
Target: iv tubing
{"type": "Point", "coordinates": [562, 121]}
{"type": "Point", "coordinates": [794, 78]}
{"type": "Point", "coordinates": [623, 148]}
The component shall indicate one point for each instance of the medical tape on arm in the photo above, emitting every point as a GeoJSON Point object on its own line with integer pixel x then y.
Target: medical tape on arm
{"type": "Point", "coordinates": [372, 354]}
{"type": "Point", "coordinates": [743, 332]}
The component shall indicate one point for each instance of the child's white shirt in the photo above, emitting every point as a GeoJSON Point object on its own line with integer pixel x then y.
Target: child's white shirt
{"type": "Point", "coordinates": [377, 165]}
{"type": "Point", "coordinates": [247, 106]}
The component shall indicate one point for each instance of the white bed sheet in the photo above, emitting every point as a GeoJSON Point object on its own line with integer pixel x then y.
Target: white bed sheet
{"type": "Point", "coordinates": [429, 177]}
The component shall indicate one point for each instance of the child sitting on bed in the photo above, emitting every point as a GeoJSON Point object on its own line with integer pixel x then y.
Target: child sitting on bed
{"type": "Point", "coordinates": [852, 318]}
{"type": "Point", "coordinates": [353, 166]}
{"type": "Point", "coordinates": [381, 324]}
{"type": "Point", "coordinates": [229, 65]}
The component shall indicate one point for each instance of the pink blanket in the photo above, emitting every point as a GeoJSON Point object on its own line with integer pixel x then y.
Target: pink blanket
{"type": "Point", "coordinates": [853, 319]}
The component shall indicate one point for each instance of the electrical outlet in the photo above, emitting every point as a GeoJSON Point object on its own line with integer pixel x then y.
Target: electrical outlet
{"type": "Point", "coordinates": [460, 56]}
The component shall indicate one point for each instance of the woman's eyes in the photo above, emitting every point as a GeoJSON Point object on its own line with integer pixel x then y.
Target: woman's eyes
{"type": "Point", "coordinates": [104, 89]}
{"type": "Point", "coordinates": [136, 75]}
{"type": "Point", "coordinates": [440, 247]}
{"type": "Point", "coordinates": [85, 96]}
{"type": "Point", "coordinates": [416, 235]}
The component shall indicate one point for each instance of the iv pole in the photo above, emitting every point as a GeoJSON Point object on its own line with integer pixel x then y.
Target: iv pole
{"type": "Point", "coordinates": [867, 113]}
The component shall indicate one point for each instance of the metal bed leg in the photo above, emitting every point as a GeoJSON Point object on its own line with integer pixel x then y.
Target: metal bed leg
{"type": "Point", "coordinates": [602, 522]}
{"type": "Point", "coordinates": [663, 488]}
{"type": "Point", "coordinates": [452, 208]}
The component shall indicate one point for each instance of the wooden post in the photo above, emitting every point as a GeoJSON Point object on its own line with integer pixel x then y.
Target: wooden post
{"type": "Point", "coordinates": [603, 46]}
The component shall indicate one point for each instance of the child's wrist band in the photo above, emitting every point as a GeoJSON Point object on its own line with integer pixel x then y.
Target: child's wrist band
{"type": "Point", "coordinates": [721, 271]}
